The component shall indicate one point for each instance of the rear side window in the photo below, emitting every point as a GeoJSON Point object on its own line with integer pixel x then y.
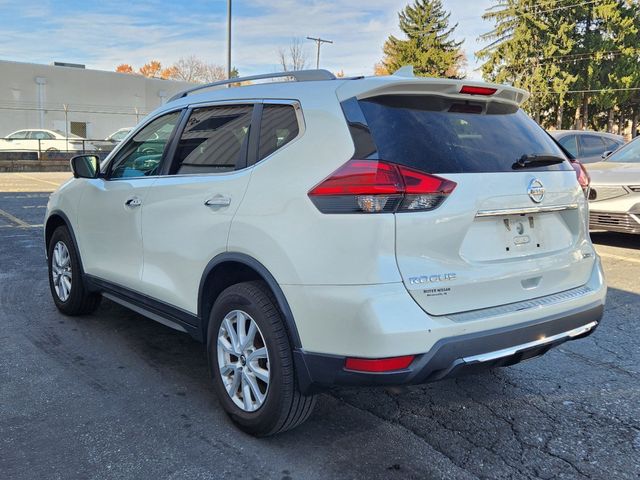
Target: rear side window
{"type": "Point", "coordinates": [591, 145]}
{"type": "Point", "coordinates": [440, 135]}
{"type": "Point", "coordinates": [278, 127]}
{"type": "Point", "coordinates": [214, 140]}
{"type": "Point", "coordinates": [611, 144]}
{"type": "Point", "coordinates": [569, 142]}
{"type": "Point", "coordinates": [18, 135]}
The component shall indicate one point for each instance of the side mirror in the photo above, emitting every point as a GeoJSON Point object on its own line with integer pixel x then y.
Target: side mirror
{"type": "Point", "coordinates": [85, 166]}
{"type": "Point", "coordinates": [606, 154]}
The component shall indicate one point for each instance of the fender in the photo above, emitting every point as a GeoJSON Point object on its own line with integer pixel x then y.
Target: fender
{"type": "Point", "coordinates": [67, 223]}
{"type": "Point", "coordinates": [251, 262]}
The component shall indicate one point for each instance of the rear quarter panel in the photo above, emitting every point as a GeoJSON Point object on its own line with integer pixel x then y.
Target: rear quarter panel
{"type": "Point", "coordinates": [279, 226]}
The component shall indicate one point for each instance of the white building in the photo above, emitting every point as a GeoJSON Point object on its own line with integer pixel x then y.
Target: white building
{"type": "Point", "coordinates": [89, 103]}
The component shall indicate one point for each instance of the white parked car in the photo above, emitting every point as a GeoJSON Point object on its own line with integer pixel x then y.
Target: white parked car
{"type": "Point", "coordinates": [323, 231]}
{"type": "Point", "coordinates": [119, 135]}
{"type": "Point", "coordinates": [112, 140]}
{"type": "Point", "coordinates": [34, 140]}
{"type": "Point", "coordinates": [614, 196]}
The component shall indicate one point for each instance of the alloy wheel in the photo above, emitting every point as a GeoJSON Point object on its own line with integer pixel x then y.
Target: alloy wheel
{"type": "Point", "coordinates": [243, 360]}
{"type": "Point", "coordinates": [61, 273]}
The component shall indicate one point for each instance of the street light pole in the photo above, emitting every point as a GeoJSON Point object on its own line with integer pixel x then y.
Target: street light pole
{"type": "Point", "coordinates": [319, 41]}
{"type": "Point", "coordinates": [228, 39]}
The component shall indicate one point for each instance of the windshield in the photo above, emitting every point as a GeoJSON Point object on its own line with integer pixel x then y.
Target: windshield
{"type": "Point", "coordinates": [440, 135]}
{"type": "Point", "coordinates": [630, 153]}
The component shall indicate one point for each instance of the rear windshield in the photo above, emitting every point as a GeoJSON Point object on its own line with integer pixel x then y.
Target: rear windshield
{"type": "Point", "coordinates": [440, 135]}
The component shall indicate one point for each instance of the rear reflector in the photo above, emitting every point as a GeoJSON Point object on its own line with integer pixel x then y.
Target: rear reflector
{"type": "Point", "coordinates": [378, 364]}
{"type": "Point", "coordinates": [374, 186]}
{"type": "Point", "coordinates": [472, 90]}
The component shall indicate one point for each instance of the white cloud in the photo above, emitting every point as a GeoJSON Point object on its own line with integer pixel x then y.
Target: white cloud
{"type": "Point", "coordinates": [131, 32]}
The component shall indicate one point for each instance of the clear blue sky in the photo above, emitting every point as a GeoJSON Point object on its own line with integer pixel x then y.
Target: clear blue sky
{"type": "Point", "coordinates": [103, 34]}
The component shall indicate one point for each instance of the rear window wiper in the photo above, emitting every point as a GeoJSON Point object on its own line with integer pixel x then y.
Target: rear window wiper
{"type": "Point", "coordinates": [531, 161]}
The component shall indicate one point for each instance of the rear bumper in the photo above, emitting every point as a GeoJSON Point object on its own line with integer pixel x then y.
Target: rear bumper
{"type": "Point", "coordinates": [454, 356]}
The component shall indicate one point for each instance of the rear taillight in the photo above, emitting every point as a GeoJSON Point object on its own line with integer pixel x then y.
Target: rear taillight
{"type": "Point", "coordinates": [583, 176]}
{"type": "Point", "coordinates": [374, 186]}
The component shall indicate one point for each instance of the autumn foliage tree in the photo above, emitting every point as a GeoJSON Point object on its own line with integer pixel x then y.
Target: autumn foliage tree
{"type": "Point", "coordinates": [187, 69]}
{"type": "Point", "coordinates": [124, 68]}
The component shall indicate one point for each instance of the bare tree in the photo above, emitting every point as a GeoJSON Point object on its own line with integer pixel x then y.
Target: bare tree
{"type": "Point", "coordinates": [212, 73]}
{"type": "Point", "coordinates": [294, 58]}
{"type": "Point", "coordinates": [189, 69]}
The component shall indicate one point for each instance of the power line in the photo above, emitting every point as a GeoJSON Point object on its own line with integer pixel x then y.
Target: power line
{"type": "Point", "coordinates": [564, 7]}
{"type": "Point", "coordinates": [601, 90]}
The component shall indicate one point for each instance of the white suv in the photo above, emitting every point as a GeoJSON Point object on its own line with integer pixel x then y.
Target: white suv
{"type": "Point", "coordinates": [323, 231]}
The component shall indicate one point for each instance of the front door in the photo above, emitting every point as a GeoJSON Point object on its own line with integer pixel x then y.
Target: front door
{"type": "Point", "coordinates": [109, 218]}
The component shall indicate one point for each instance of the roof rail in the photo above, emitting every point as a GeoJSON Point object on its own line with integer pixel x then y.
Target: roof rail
{"type": "Point", "coordinates": [297, 75]}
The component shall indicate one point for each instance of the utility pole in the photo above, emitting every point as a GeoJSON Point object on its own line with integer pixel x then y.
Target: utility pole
{"type": "Point", "coordinates": [228, 39]}
{"type": "Point", "coordinates": [319, 41]}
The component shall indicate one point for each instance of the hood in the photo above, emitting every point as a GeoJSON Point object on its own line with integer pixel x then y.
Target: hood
{"type": "Point", "coordinates": [612, 173]}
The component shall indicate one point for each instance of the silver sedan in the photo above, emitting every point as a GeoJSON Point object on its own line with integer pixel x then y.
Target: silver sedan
{"type": "Point", "coordinates": [614, 198]}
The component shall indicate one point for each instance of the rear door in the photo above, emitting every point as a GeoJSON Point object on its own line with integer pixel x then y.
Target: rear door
{"type": "Point", "coordinates": [506, 233]}
{"type": "Point", "coordinates": [591, 148]}
{"type": "Point", "coordinates": [187, 213]}
{"type": "Point", "coordinates": [19, 141]}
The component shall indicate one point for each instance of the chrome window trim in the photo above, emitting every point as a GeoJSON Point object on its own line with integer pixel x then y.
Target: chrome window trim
{"type": "Point", "coordinates": [525, 210]}
{"type": "Point", "coordinates": [249, 101]}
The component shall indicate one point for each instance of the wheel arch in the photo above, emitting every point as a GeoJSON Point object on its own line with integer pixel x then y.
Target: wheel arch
{"type": "Point", "coordinates": [230, 268]}
{"type": "Point", "coordinates": [56, 219]}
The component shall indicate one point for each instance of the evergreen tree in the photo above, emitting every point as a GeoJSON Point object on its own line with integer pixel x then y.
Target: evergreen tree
{"type": "Point", "coordinates": [429, 46]}
{"type": "Point", "coordinates": [579, 59]}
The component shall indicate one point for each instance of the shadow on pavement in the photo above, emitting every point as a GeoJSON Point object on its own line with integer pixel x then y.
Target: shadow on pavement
{"type": "Point", "coordinates": [613, 239]}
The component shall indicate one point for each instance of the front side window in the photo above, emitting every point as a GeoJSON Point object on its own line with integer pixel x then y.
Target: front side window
{"type": "Point", "coordinates": [591, 145]}
{"type": "Point", "coordinates": [141, 156]}
{"type": "Point", "coordinates": [214, 140]}
{"type": "Point", "coordinates": [278, 127]}
{"type": "Point", "coordinates": [40, 135]}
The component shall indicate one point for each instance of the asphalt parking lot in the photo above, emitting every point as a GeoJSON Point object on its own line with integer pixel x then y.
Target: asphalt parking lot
{"type": "Point", "coordinates": [115, 395]}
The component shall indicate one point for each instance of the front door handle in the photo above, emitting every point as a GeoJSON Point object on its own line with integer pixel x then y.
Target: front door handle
{"type": "Point", "coordinates": [218, 201]}
{"type": "Point", "coordinates": [133, 202]}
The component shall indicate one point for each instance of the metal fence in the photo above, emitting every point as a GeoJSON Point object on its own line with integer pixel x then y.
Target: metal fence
{"type": "Point", "coordinates": [52, 149]}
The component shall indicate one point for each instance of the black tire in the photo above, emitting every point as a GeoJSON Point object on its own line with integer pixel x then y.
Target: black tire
{"type": "Point", "coordinates": [284, 406]}
{"type": "Point", "coordinates": [80, 301]}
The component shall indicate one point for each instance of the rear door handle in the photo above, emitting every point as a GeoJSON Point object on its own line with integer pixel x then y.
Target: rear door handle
{"type": "Point", "coordinates": [133, 202]}
{"type": "Point", "coordinates": [218, 201]}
